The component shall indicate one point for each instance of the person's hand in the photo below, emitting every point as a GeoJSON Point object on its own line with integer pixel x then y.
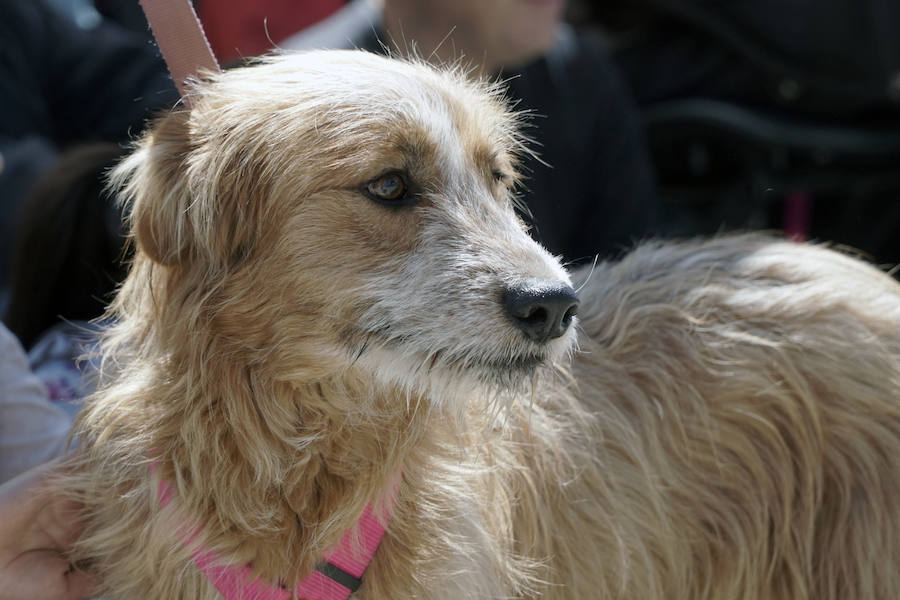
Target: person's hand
{"type": "Point", "coordinates": [35, 529]}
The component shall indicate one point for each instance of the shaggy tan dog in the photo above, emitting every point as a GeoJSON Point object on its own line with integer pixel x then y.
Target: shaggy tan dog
{"type": "Point", "coordinates": [328, 295]}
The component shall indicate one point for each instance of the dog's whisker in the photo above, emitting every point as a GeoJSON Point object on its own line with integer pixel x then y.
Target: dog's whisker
{"type": "Point", "coordinates": [439, 44]}
{"type": "Point", "coordinates": [589, 275]}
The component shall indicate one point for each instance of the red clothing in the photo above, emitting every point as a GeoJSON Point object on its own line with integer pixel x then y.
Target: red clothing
{"type": "Point", "coordinates": [239, 29]}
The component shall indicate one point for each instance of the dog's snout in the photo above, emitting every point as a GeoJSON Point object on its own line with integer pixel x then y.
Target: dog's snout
{"type": "Point", "coordinates": [542, 310]}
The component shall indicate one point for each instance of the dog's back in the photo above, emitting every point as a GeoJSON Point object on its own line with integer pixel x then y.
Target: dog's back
{"type": "Point", "coordinates": [743, 400]}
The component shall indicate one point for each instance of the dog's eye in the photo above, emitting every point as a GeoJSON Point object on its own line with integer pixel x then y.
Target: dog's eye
{"type": "Point", "coordinates": [499, 176]}
{"type": "Point", "coordinates": [389, 187]}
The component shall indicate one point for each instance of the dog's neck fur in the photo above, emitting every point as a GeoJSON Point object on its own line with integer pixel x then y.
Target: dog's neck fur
{"type": "Point", "coordinates": [275, 470]}
{"type": "Point", "coordinates": [285, 491]}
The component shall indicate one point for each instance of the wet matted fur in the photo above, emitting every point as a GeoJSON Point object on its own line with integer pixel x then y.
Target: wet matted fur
{"type": "Point", "coordinates": [727, 428]}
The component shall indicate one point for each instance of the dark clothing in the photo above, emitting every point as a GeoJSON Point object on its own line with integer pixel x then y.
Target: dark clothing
{"type": "Point", "coordinates": [61, 85]}
{"type": "Point", "coordinates": [820, 82]}
{"type": "Point", "coordinates": [597, 192]}
{"type": "Point", "coordinates": [68, 84]}
{"type": "Point", "coordinates": [835, 60]}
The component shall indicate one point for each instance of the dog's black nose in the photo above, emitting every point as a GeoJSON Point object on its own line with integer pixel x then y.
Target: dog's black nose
{"type": "Point", "coordinates": [543, 310]}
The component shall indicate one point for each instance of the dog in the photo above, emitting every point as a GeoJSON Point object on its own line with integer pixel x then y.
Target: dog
{"type": "Point", "coordinates": [334, 308]}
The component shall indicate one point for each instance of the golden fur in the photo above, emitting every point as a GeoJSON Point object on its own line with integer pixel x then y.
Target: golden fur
{"type": "Point", "coordinates": [728, 428]}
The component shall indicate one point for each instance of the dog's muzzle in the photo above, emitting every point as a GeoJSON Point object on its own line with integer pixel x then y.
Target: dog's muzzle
{"type": "Point", "coordinates": [541, 309]}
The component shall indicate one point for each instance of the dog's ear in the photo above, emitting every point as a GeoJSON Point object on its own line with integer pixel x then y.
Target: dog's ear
{"type": "Point", "coordinates": [193, 193]}
{"type": "Point", "coordinates": [152, 182]}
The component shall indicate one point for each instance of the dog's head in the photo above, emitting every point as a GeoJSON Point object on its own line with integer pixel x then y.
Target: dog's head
{"type": "Point", "coordinates": [332, 210]}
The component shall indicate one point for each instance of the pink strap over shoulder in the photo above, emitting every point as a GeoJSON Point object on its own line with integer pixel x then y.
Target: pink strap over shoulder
{"type": "Point", "coordinates": [180, 37]}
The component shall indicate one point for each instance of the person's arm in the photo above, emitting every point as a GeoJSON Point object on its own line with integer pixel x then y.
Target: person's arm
{"type": "Point", "coordinates": [32, 429]}
{"type": "Point", "coordinates": [35, 531]}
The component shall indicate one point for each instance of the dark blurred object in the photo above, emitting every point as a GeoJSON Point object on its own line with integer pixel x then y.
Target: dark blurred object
{"type": "Point", "coordinates": [765, 114]}
{"type": "Point", "coordinates": [584, 13]}
{"type": "Point", "coordinates": [835, 60]}
{"type": "Point", "coordinates": [68, 257]}
{"type": "Point", "coordinates": [67, 84]}
{"type": "Point", "coordinates": [128, 15]}
{"type": "Point", "coordinates": [725, 166]}
{"type": "Point", "coordinates": [62, 84]}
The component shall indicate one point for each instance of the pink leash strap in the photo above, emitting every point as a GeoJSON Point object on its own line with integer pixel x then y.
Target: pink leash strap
{"type": "Point", "coordinates": [180, 37]}
{"type": "Point", "coordinates": [335, 579]}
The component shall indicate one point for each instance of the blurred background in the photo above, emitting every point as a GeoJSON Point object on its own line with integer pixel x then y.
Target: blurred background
{"type": "Point", "coordinates": [658, 118]}
{"type": "Point", "coordinates": [766, 113]}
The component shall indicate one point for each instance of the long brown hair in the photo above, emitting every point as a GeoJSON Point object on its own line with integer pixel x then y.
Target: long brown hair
{"type": "Point", "coordinates": [67, 259]}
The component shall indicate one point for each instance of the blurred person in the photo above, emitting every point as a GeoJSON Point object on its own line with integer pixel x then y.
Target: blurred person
{"type": "Point", "coordinates": [592, 189]}
{"type": "Point", "coordinates": [493, 35]}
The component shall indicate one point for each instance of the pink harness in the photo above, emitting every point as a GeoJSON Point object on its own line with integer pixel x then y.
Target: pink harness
{"type": "Point", "coordinates": [334, 579]}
